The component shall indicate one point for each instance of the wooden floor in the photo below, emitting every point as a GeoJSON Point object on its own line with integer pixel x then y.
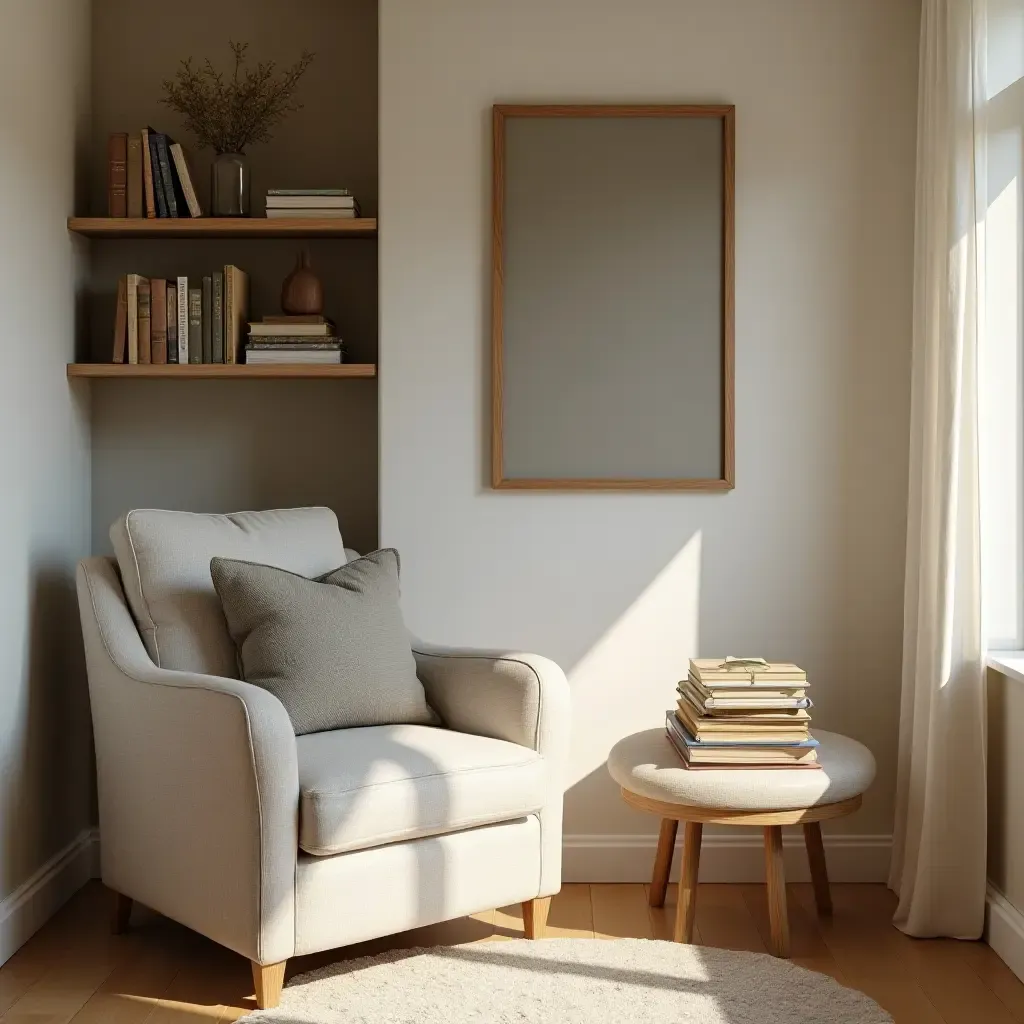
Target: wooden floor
{"type": "Point", "coordinates": [160, 973]}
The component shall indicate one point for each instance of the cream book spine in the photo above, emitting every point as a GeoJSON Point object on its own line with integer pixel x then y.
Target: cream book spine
{"type": "Point", "coordinates": [182, 320]}
{"type": "Point", "coordinates": [181, 166]}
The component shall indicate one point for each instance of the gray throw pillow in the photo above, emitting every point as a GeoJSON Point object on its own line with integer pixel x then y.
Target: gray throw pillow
{"type": "Point", "coordinates": [333, 650]}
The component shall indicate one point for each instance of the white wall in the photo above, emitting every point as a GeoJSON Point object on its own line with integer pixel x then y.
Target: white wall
{"type": "Point", "coordinates": [45, 782]}
{"type": "Point", "coordinates": [804, 560]}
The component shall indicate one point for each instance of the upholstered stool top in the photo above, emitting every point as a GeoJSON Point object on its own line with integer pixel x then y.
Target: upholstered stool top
{"type": "Point", "coordinates": [647, 764]}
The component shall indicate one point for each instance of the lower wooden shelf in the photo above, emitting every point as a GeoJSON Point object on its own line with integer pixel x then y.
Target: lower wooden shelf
{"type": "Point", "coordinates": [208, 371]}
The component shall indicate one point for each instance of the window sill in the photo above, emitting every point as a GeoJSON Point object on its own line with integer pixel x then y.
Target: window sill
{"type": "Point", "coordinates": [1009, 663]}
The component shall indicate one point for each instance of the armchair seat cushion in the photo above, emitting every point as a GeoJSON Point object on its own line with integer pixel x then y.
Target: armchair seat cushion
{"type": "Point", "coordinates": [366, 787]}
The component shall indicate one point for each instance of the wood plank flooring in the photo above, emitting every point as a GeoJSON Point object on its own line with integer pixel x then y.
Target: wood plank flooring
{"type": "Point", "coordinates": [74, 970]}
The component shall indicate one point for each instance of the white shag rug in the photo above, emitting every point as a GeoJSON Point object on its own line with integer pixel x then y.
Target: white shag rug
{"type": "Point", "coordinates": [569, 981]}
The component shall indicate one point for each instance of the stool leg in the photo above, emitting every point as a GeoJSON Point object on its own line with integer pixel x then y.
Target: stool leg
{"type": "Point", "coordinates": [686, 912]}
{"type": "Point", "coordinates": [778, 915]}
{"type": "Point", "coordinates": [819, 869]}
{"type": "Point", "coordinates": [663, 861]}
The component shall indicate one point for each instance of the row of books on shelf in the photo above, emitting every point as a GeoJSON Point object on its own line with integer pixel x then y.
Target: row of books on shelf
{"type": "Point", "coordinates": [184, 320]}
{"type": "Point", "coordinates": [148, 176]}
{"type": "Point", "coordinates": [742, 713]}
{"type": "Point", "coordinates": [205, 320]}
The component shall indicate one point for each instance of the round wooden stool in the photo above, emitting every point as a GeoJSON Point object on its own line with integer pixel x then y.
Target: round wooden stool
{"type": "Point", "coordinates": [653, 779]}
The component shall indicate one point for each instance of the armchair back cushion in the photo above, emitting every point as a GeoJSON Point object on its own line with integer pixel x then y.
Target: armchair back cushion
{"type": "Point", "coordinates": [164, 558]}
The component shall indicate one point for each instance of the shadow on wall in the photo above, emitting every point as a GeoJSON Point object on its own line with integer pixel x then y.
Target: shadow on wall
{"type": "Point", "coordinates": [47, 788]}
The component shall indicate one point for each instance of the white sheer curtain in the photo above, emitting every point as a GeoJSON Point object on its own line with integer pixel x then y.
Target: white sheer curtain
{"type": "Point", "coordinates": [938, 865]}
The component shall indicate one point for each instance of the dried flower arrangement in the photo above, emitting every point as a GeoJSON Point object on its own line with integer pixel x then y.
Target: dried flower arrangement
{"type": "Point", "coordinates": [228, 113]}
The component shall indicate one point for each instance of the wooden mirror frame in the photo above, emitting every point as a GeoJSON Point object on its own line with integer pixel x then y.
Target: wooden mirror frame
{"type": "Point", "coordinates": [726, 479]}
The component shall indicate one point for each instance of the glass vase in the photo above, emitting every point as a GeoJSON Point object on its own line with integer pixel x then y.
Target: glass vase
{"type": "Point", "coordinates": [229, 191]}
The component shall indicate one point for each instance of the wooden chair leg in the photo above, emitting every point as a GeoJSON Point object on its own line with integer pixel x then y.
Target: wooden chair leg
{"type": "Point", "coordinates": [778, 914]}
{"type": "Point", "coordinates": [535, 917]}
{"type": "Point", "coordinates": [121, 914]}
{"type": "Point", "coordinates": [269, 980]}
{"type": "Point", "coordinates": [686, 912]}
{"type": "Point", "coordinates": [819, 869]}
{"type": "Point", "coordinates": [663, 861]}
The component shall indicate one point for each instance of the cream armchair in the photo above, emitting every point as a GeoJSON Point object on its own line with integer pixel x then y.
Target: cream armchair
{"type": "Point", "coordinates": [215, 814]}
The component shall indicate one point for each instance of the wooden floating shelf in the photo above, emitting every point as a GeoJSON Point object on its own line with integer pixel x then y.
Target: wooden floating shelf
{"type": "Point", "coordinates": [223, 227]}
{"type": "Point", "coordinates": [218, 371]}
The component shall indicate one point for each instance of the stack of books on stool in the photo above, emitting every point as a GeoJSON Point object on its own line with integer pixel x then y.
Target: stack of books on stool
{"type": "Point", "coordinates": [743, 713]}
{"type": "Point", "coordinates": [293, 339]}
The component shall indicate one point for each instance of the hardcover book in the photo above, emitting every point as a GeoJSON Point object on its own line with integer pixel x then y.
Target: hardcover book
{"type": "Point", "coordinates": [725, 754]}
{"type": "Point", "coordinates": [149, 193]}
{"type": "Point", "coordinates": [158, 183]}
{"type": "Point", "coordinates": [195, 325]}
{"type": "Point", "coordinates": [121, 321]}
{"type": "Point", "coordinates": [236, 311]}
{"type": "Point", "coordinates": [312, 202]}
{"type": "Point", "coordinates": [265, 329]}
{"type": "Point", "coordinates": [260, 357]}
{"type": "Point", "coordinates": [132, 290]}
{"type": "Point", "coordinates": [172, 322]}
{"type": "Point", "coordinates": [739, 671]}
{"type": "Point", "coordinates": [145, 322]}
{"type": "Point", "coordinates": [158, 322]}
{"type": "Point", "coordinates": [295, 318]}
{"type": "Point", "coordinates": [207, 319]}
{"type": "Point", "coordinates": [217, 319]}
{"type": "Point", "coordinates": [166, 174]}
{"type": "Point", "coordinates": [185, 177]}
{"type": "Point", "coordinates": [183, 320]}
{"type": "Point", "coordinates": [308, 192]}
{"type": "Point", "coordinates": [299, 345]}
{"type": "Point", "coordinates": [306, 213]}
{"type": "Point", "coordinates": [136, 199]}
{"type": "Point", "coordinates": [117, 175]}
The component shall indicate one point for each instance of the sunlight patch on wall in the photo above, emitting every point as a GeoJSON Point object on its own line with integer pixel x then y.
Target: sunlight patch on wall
{"type": "Point", "coordinates": [626, 681]}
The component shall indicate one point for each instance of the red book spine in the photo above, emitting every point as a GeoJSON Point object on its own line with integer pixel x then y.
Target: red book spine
{"type": "Point", "coordinates": [117, 175]}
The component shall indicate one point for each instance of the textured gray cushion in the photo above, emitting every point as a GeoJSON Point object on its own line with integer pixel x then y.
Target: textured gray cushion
{"type": "Point", "coordinates": [333, 650]}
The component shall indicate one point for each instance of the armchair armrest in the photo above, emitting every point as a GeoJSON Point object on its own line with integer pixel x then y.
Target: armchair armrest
{"type": "Point", "coordinates": [522, 698]}
{"type": "Point", "coordinates": [198, 785]}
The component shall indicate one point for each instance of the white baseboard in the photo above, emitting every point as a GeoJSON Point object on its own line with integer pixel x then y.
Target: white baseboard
{"type": "Point", "coordinates": [37, 899]}
{"type": "Point", "coordinates": [1004, 930]}
{"type": "Point", "coordinates": [737, 857]}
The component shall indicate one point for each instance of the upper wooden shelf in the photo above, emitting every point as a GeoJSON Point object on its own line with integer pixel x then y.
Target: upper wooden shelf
{"type": "Point", "coordinates": [209, 371]}
{"type": "Point", "coordinates": [223, 227]}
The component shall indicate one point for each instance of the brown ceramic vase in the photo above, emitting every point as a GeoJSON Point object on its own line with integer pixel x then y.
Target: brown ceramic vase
{"type": "Point", "coordinates": [302, 294]}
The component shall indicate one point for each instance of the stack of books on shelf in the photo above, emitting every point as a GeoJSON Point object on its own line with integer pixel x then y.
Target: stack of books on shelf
{"type": "Point", "coordinates": [277, 340]}
{"type": "Point", "coordinates": [148, 176]}
{"type": "Point", "coordinates": [184, 320]}
{"type": "Point", "coordinates": [743, 713]}
{"type": "Point", "coordinates": [338, 203]}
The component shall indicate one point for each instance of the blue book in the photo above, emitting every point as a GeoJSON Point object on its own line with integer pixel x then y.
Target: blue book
{"type": "Point", "coordinates": [680, 730]}
{"type": "Point", "coordinates": [159, 195]}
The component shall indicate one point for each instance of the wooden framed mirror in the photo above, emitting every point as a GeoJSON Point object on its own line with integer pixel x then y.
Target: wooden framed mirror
{"type": "Point", "coordinates": [612, 297]}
